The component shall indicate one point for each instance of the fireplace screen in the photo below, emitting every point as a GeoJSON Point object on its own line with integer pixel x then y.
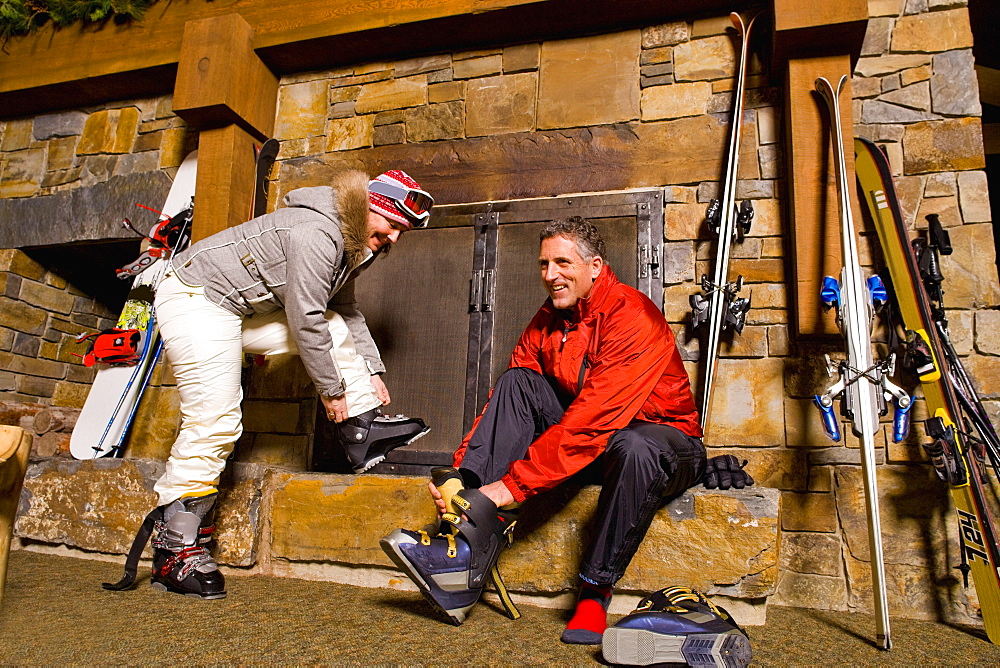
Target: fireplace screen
{"type": "Point", "coordinates": [448, 304]}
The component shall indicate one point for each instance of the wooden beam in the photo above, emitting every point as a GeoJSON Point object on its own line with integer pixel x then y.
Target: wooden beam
{"type": "Point", "coordinates": [989, 84]}
{"type": "Point", "coordinates": [78, 66]}
{"type": "Point", "coordinates": [813, 199]}
{"type": "Point", "coordinates": [816, 38]}
{"type": "Point", "coordinates": [220, 79]}
{"type": "Point", "coordinates": [818, 27]}
{"type": "Point", "coordinates": [991, 138]}
{"type": "Point", "coordinates": [49, 55]}
{"type": "Point", "coordinates": [224, 187]}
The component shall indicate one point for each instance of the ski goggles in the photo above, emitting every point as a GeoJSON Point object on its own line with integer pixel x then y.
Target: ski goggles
{"type": "Point", "coordinates": [412, 203]}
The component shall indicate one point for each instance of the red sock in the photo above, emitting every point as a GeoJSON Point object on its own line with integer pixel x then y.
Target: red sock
{"type": "Point", "coordinates": [591, 616]}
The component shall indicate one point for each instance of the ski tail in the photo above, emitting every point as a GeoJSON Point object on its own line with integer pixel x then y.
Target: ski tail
{"type": "Point", "coordinates": [265, 156]}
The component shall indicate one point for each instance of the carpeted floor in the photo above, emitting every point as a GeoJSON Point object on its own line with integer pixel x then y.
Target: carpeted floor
{"type": "Point", "coordinates": [54, 612]}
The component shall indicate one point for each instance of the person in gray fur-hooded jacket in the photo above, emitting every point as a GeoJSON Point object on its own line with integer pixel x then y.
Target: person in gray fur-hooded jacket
{"type": "Point", "coordinates": [280, 283]}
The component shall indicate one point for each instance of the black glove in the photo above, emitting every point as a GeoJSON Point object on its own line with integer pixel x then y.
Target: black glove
{"type": "Point", "coordinates": [725, 471]}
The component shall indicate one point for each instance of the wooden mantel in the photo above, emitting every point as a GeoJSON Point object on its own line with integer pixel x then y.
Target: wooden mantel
{"type": "Point", "coordinates": [75, 66]}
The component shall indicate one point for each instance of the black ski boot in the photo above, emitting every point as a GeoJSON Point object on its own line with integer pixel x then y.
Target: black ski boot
{"type": "Point", "coordinates": [181, 562]}
{"type": "Point", "coordinates": [677, 625]}
{"type": "Point", "coordinates": [452, 567]}
{"type": "Point", "coordinates": [369, 437]}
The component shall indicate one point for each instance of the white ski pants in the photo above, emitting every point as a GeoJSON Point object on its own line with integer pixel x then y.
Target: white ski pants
{"type": "Point", "coordinates": [204, 345]}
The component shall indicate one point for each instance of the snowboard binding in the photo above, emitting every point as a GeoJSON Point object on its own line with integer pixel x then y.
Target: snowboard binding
{"type": "Point", "coordinates": [170, 234]}
{"type": "Point", "coordinates": [451, 563]}
{"type": "Point", "coordinates": [181, 562]}
{"type": "Point", "coordinates": [677, 625]}
{"type": "Point", "coordinates": [114, 346]}
{"type": "Point", "coordinates": [369, 437]}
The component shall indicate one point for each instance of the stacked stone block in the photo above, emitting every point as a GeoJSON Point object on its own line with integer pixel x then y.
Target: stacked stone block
{"type": "Point", "coordinates": [65, 150]}
{"type": "Point", "coordinates": [40, 317]}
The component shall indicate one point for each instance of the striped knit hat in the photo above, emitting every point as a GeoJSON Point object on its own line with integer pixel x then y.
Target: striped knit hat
{"type": "Point", "coordinates": [382, 205]}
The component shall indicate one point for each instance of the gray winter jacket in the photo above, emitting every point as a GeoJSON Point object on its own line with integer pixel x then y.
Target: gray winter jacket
{"type": "Point", "coordinates": [303, 258]}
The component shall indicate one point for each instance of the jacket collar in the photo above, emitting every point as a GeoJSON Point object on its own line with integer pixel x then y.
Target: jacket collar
{"type": "Point", "coordinates": [594, 302]}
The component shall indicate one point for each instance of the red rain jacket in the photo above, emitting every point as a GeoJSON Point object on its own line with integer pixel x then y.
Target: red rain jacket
{"type": "Point", "coordinates": [616, 355]}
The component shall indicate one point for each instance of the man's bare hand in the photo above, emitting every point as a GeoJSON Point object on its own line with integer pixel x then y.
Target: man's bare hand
{"type": "Point", "coordinates": [498, 493]}
{"type": "Point", "coordinates": [438, 499]}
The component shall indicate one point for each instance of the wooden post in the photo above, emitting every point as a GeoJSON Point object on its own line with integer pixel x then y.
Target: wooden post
{"type": "Point", "coordinates": [817, 38]}
{"type": "Point", "coordinates": [224, 187]}
{"type": "Point", "coordinates": [15, 444]}
{"type": "Point", "coordinates": [815, 232]}
{"type": "Point", "coordinates": [229, 94]}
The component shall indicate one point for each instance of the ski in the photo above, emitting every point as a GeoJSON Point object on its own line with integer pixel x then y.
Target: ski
{"type": "Point", "coordinates": [915, 274]}
{"type": "Point", "coordinates": [862, 384]}
{"type": "Point", "coordinates": [718, 303]}
{"type": "Point", "coordinates": [264, 156]}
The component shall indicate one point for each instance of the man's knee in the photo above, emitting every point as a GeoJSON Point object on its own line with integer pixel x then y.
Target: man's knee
{"type": "Point", "coordinates": [657, 448]}
{"type": "Point", "coordinates": [519, 376]}
{"type": "Point", "coordinates": [628, 449]}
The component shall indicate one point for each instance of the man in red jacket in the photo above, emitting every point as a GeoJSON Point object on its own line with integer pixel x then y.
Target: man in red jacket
{"type": "Point", "coordinates": [596, 374]}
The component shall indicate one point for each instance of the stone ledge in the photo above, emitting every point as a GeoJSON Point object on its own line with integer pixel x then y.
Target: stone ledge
{"type": "Point", "coordinates": [327, 526]}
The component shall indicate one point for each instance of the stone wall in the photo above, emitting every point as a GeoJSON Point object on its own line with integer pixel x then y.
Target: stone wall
{"type": "Point", "coordinates": [40, 316]}
{"type": "Point", "coordinates": [41, 312]}
{"type": "Point", "coordinates": [649, 107]}
{"type": "Point", "coordinates": [75, 149]}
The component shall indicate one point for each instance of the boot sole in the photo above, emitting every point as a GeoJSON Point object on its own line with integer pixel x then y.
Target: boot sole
{"type": "Point", "coordinates": [380, 458]}
{"type": "Point", "coordinates": [159, 586]}
{"type": "Point", "coordinates": [639, 647]}
{"type": "Point", "coordinates": [390, 545]}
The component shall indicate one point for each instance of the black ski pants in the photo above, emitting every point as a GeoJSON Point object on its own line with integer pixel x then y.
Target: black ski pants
{"type": "Point", "coordinates": [642, 465]}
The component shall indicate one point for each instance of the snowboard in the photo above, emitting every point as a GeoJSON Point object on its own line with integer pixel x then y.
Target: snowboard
{"type": "Point", "coordinates": [114, 396]}
{"type": "Point", "coordinates": [950, 450]}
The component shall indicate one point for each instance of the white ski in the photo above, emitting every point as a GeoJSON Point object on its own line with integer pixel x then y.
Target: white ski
{"type": "Point", "coordinates": [862, 382]}
{"type": "Point", "coordinates": [718, 303]}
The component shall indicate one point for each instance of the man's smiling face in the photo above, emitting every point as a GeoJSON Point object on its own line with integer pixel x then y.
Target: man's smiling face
{"type": "Point", "coordinates": [567, 276]}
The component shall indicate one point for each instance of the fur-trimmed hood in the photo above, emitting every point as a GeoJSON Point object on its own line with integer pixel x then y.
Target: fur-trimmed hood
{"type": "Point", "coordinates": [344, 201]}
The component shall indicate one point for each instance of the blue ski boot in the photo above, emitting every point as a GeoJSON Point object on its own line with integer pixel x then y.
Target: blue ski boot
{"type": "Point", "coordinates": [677, 625]}
{"type": "Point", "coordinates": [451, 563]}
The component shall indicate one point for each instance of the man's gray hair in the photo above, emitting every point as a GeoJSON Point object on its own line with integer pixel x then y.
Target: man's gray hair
{"type": "Point", "coordinates": [582, 232]}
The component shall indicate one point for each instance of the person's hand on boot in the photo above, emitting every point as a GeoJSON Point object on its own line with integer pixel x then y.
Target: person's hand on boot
{"type": "Point", "coordinates": [438, 499]}
{"type": "Point", "coordinates": [336, 408]}
{"type": "Point", "coordinates": [725, 471]}
{"type": "Point", "coordinates": [381, 391]}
